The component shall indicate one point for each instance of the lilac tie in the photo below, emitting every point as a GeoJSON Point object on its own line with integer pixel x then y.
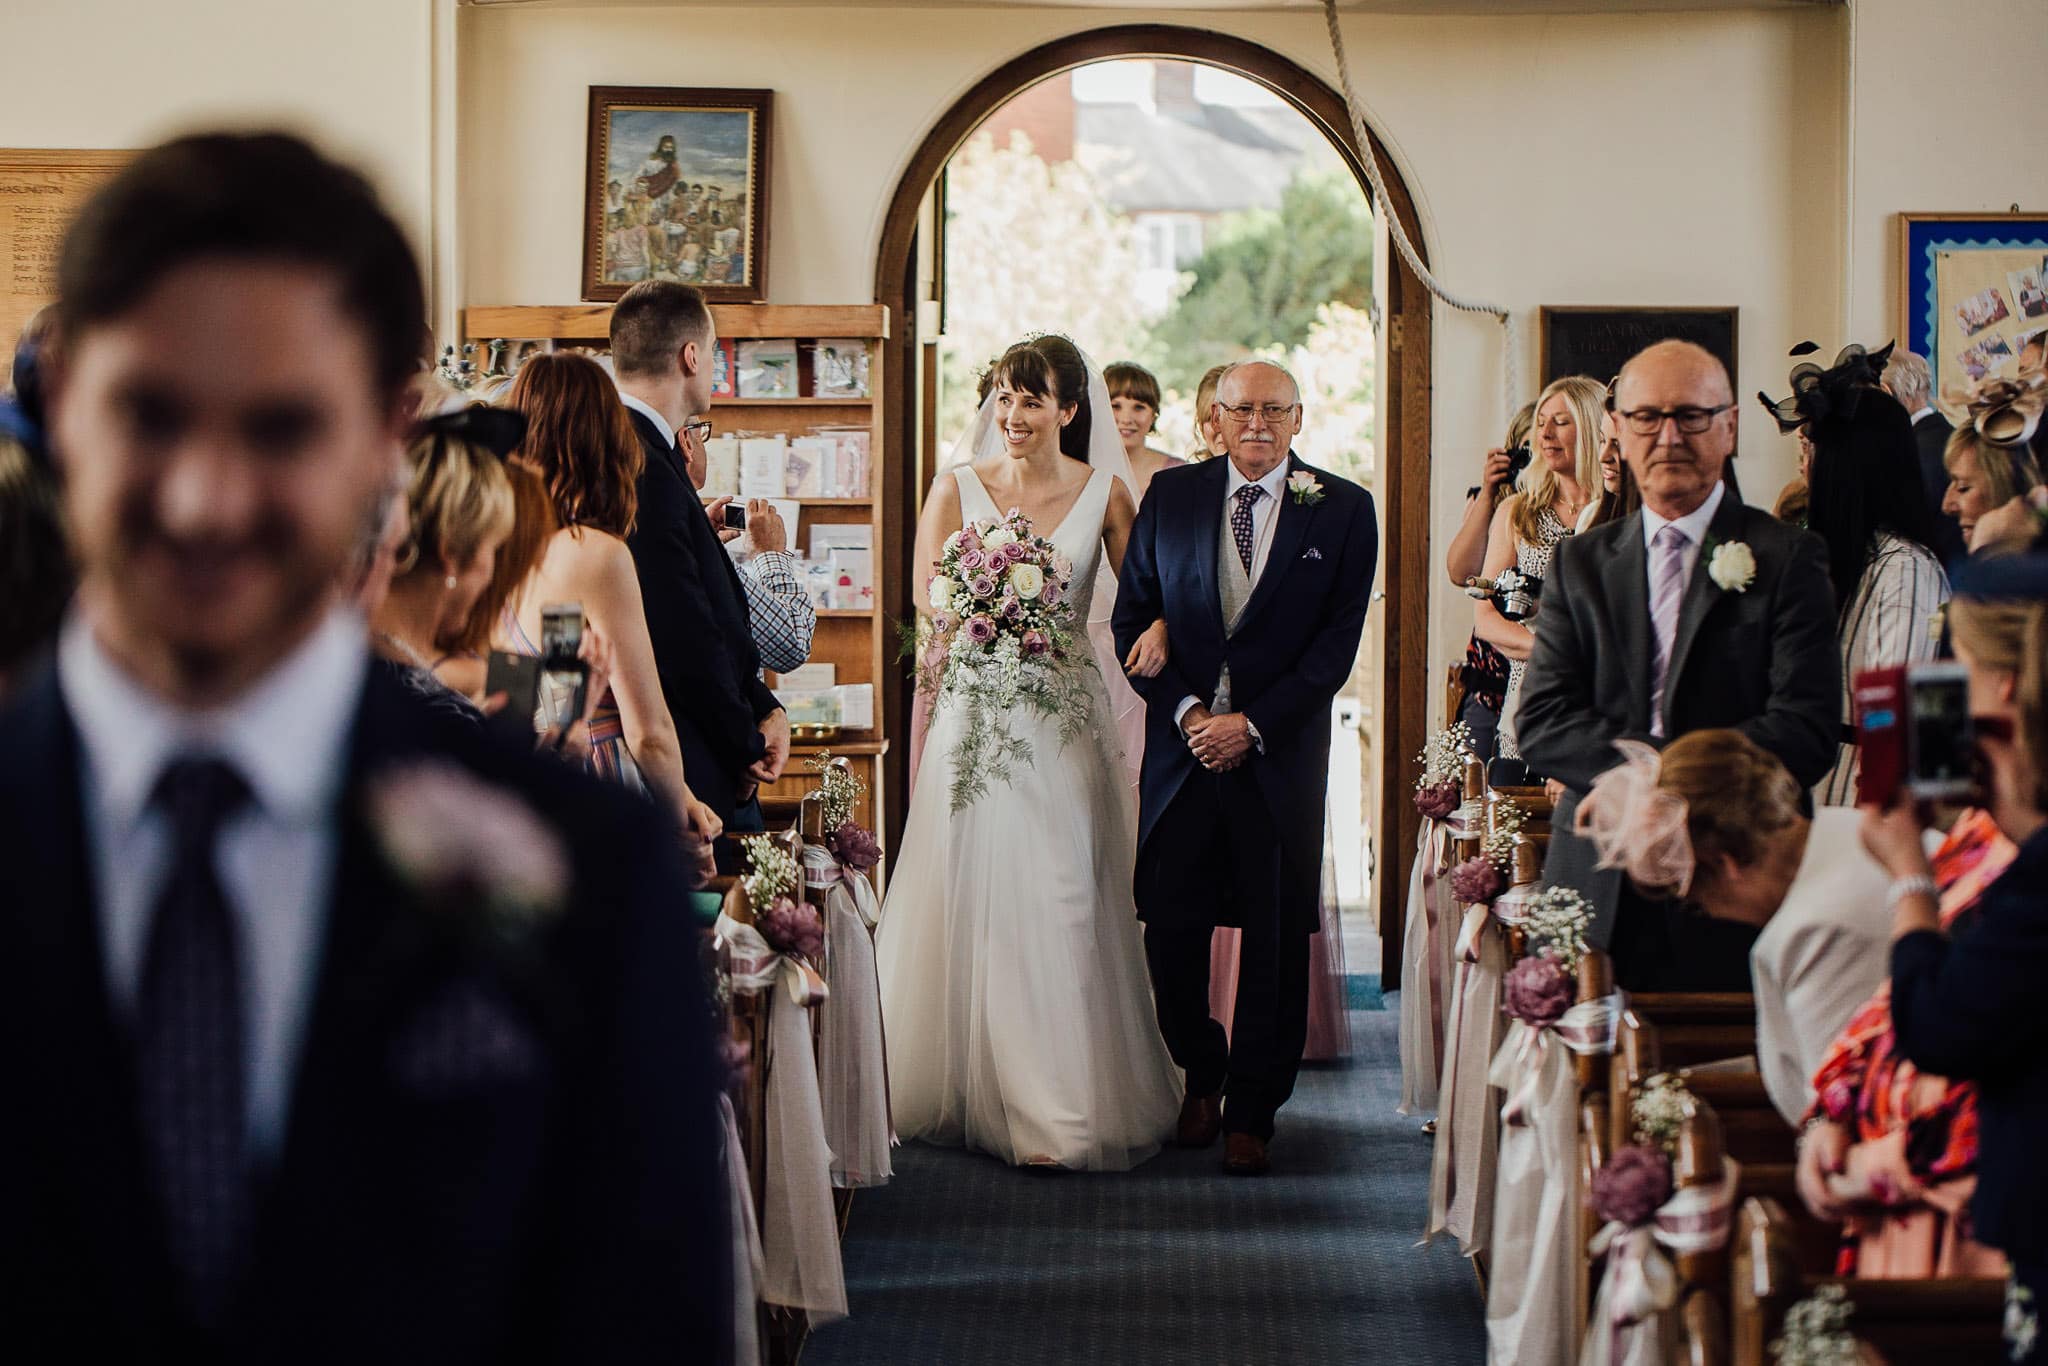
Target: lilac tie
{"type": "Point", "coordinates": [1241, 521]}
{"type": "Point", "coordinates": [1667, 591]}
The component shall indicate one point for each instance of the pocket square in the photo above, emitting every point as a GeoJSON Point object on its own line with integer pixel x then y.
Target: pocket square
{"type": "Point", "coordinates": [1311, 554]}
{"type": "Point", "coordinates": [465, 1036]}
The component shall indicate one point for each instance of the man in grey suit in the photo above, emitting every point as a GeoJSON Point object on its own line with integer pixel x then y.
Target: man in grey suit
{"type": "Point", "coordinates": [1643, 637]}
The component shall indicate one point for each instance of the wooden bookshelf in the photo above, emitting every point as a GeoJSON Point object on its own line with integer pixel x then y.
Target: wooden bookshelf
{"type": "Point", "coordinates": [856, 641]}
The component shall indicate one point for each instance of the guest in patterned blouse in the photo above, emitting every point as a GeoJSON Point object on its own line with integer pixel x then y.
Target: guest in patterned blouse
{"type": "Point", "coordinates": [1563, 478]}
{"type": "Point", "coordinates": [1888, 1151]}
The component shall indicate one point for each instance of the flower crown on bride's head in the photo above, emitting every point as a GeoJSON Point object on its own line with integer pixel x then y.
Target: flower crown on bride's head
{"type": "Point", "coordinates": [1636, 825]}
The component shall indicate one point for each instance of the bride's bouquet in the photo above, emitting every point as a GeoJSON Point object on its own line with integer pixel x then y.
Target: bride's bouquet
{"type": "Point", "coordinates": [1002, 611]}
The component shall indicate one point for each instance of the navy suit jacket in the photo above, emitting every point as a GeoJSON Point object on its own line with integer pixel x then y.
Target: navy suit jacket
{"type": "Point", "coordinates": [697, 621]}
{"type": "Point", "coordinates": [1762, 661]}
{"type": "Point", "coordinates": [545, 1187]}
{"type": "Point", "coordinates": [1295, 644]}
{"type": "Point", "coordinates": [1970, 1008]}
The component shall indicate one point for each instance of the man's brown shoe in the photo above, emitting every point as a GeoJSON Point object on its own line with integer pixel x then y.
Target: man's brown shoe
{"type": "Point", "coordinates": [1244, 1155]}
{"type": "Point", "coordinates": [1201, 1119]}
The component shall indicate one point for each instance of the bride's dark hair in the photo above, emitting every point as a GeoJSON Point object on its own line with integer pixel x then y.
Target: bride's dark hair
{"type": "Point", "coordinates": [1050, 367]}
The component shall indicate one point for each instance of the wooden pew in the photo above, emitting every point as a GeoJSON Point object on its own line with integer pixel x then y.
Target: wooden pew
{"type": "Point", "coordinates": [1910, 1323]}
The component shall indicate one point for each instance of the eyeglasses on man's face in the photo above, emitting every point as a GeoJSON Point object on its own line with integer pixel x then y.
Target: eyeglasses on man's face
{"type": "Point", "coordinates": [1690, 421]}
{"type": "Point", "coordinates": [1274, 413]}
{"type": "Point", "coordinates": [699, 430]}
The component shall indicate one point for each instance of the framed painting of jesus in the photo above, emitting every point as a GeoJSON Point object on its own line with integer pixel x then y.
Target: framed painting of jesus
{"type": "Point", "coordinates": [676, 188]}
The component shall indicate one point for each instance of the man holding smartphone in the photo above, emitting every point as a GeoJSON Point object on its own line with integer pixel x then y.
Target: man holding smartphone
{"type": "Point", "coordinates": [779, 611]}
{"type": "Point", "coordinates": [734, 734]}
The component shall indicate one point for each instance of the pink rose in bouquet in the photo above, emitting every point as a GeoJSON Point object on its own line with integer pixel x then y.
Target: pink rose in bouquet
{"type": "Point", "coordinates": [1537, 992]}
{"type": "Point", "coordinates": [1035, 643]}
{"type": "Point", "coordinates": [1050, 594]}
{"type": "Point", "coordinates": [1632, 1185]}
{"type": "Point", "coordinates": [970, 538]}
{"type": "Point", "coordinates": [792, 926]}
{"type": "Point", "coordinates": [980, 629]}
{"type": "Point", "coordinates": [1476, 881]}
{"type": "Point", "coordinates": [1011, 608]}
{"type": "Point", "coordinates": [973, 561]}
{"type": "Point", "coordinates": [982, 585]}
{"type": "Point", "coordinates": [1438, 800]}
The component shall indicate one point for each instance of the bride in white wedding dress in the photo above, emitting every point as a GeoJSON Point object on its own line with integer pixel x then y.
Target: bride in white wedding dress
{"type": "Point", "coordinates": [1017, 1006]}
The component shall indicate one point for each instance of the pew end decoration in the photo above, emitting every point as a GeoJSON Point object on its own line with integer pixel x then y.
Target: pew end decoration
{"type": "Point", "coordinates": [1429, 925]}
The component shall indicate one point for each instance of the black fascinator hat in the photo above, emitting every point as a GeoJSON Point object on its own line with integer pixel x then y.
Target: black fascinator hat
{"type": "Point", "coordinates": [1835, 392]}
{"type": "Point", "coordinates": [497, 430]}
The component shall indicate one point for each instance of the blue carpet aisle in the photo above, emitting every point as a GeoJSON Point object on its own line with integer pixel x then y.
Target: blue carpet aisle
{"type": "Point", "coordinates": [965, 1262]}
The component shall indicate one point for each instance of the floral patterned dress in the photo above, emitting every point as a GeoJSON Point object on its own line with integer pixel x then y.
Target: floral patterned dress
{"type": "Point", "coordinates": [1903, 1117]}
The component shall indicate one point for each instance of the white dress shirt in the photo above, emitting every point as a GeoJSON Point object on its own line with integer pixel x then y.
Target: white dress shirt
{"type": "Point", "coordinates": [288, 738]}
{"type": "Point", "coordinates": [1265, 516]}
{"type": "Point", "coordinates": [1694, 524]}
{"type": "Point", "coordinates": [661, 424]}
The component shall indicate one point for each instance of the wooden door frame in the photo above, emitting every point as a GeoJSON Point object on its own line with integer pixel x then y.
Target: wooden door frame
{"type": "Point", "coordinates": [1403, 387]}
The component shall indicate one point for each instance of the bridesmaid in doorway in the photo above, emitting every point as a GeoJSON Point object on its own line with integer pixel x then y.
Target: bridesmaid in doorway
{"type": "Point", "coordinates": [1134, 400]}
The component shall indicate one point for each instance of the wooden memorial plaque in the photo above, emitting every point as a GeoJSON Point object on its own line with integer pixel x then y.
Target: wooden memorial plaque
{"type": "Point", "coordinates": [40, 190]}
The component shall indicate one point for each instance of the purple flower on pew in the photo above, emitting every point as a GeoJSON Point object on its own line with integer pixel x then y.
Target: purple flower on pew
{"type": "Point", "coordinates": [1437, 800]}
{"type": "Point", "coordinates": [855, 846]}
{"type": "Point", "coordinates": [1537, 992]}
{"type": "Point", "coordinates": [792, 926]}
{"type": "Point", "coordinates": [1476, 881]}
{"type": "Point", "coordinates": [1632, 1185]}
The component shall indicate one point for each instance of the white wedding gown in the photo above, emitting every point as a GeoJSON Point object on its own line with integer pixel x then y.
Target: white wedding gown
{"type": "Point", "coordinates": [1014, 992]}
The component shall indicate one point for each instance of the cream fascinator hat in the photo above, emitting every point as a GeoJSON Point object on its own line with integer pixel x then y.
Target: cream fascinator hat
{"type": "Point", "coordinates": [1637, 826]}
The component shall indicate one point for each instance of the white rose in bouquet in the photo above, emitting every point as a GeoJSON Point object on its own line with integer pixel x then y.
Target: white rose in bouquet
{"type": "Point", "coordinates": [997, 539]}
{"type": "Point", "coordinates": [1027, 581]}
{"type": "Point", "coordinates": [942, 594]}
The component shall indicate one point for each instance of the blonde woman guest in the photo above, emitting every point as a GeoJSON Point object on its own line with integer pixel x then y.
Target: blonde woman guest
{"type": "Point", "coordinates": [1984, 476]}
{"type": "Point", "coordinates": [1563, 478]}
{"type": "Point", "coordinates": [1208, 436]}
{"type": "Point", "coordinates": [458, 510]}
{"type": "Point", "coordinates": [1134, 402]}
{"type": "Point", "coordinates": [582, 444]}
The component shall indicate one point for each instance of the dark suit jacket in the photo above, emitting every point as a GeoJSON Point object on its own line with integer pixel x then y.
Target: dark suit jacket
{"type": "Point", "coordinates": [697, 621]}
{"type": "Point", "coordinates": [1970, 1008]}
{"type": "Point", "coordinates": [1762, 661]}
{"type": "Point", "coordinates": [543, 1185]}
{"type": "Point", "coordinates": [1932, 433]}
{"type": "Point", "coordinates": [1294, 647]}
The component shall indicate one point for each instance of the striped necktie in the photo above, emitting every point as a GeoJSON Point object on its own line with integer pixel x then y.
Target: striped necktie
{"type": "Point", "coordinates": [1667, 591]}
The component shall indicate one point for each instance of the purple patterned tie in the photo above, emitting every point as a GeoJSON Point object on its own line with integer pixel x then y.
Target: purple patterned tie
{"type": "Point", "coordinates": [1241, 521]}
{"type": "Point", "coordinates": [1667, 591]}
{"type": "Point", "coordinates": [188, 1043]}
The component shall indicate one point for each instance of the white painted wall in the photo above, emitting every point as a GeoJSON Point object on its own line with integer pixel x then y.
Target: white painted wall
{"type": "Point", "coordinates": [127, 73]}
{"type": "Point", "coordinates": [1918, 149]}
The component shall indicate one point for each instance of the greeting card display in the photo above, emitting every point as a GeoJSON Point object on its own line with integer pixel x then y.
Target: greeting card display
{"type": "Point", "coordinates": [839, 367]}
{"type": "Point", "coordinates": [767, 369]}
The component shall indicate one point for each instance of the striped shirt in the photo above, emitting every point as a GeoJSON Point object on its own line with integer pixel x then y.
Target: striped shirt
{"type": "Point", "coordinates": [1889, 623]}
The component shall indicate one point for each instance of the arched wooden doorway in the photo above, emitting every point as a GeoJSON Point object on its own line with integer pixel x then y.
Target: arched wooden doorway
{"type": "Point", "coordinates": [1404, 389]}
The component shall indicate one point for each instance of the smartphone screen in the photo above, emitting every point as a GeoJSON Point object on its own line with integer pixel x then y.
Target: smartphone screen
{"type": "Point", "coordinates": [1944, 745]}
{"type": "Point", "coordinates": [561, 633]}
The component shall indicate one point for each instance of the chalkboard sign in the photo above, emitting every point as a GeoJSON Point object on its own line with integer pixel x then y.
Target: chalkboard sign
{"type": "Point", "coordinates": [1595, 341]}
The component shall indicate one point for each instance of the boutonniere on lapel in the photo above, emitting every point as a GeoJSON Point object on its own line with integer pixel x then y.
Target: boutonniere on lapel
{"type": "Point", "coordinates": [1732, 567]}
{"type": "Point", "coordinates": [467, 849]}
{"type": "Point", "coordinates": [1305, 488]}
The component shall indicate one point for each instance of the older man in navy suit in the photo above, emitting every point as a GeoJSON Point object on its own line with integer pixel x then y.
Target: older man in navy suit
{"type": "Point", "coordinates": [1262, 567]}
{"type": "Point", "coordinates": [331, 1032]}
